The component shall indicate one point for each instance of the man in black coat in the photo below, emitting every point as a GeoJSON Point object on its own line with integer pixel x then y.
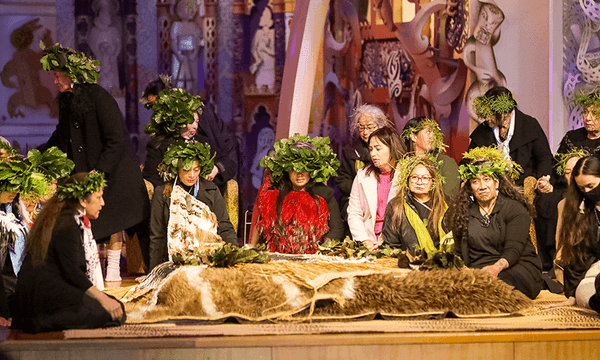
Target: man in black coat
{"type": "Point", "coordinates": [528, 146]}
{"type": "Point", "coordinates": [91, 132]}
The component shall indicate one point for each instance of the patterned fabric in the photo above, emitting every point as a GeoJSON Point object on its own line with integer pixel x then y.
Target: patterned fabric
{"type": "Point", "coordinates": [303, 224]}
{"type": "Point", "coordinates": [90, 249]}
{"type": "Point", "coordinates": [13, 232]}
{"type": "Point", "coordinates": [504, 146]}
{"type": "Point", "coordinates": [192, 225]}
{"type": "Point", "coordinates": [232, 198]}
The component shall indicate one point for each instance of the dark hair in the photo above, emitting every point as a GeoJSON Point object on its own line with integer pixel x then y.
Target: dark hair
{"type": "Point", "coordinates": [390, 138]}
{"type": "Point", "coordinates": [457, 216]}
{"type": "Point", "coordinates": [285, 186]}
{"type": "Point", "coordinates": [153, 88]}
{"type": "Point", "coordinates": [579, 231]}
{"type": "Point", "coordinates": [55, 215]}
{"type": "Point", "coordinates": [412, 123]}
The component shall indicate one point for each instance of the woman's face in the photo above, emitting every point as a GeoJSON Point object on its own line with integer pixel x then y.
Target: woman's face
{"type": "Point", "coordinates": [484, 188]}
{"type": "Point", "coordinates": [188, 131]}
{"type": "Point", "coordinates": [93, 204]}
{"type": "Point", "coordinates": [189, 177]}
{"type": "Point", "coordinates": [299, 179]}
{"type": "Point", "coordinates": [7, 197]}
{"type": "Point", "coordinates": [380, 154]}
{"type": "Point", "coordinates": [419, 181]}
{"type": "Point", "coordinates": [62, 81]}
{"type": "Point", "coordinates": [366, 125]}
{"type": "Point", "coordinates": [569, 165]}
{"type": "Point", "coordinates": [423, 140]}
{"type": "Point", "coordinates": [590, 121]}
{"type": "Point", "coordinates": [587, 183]}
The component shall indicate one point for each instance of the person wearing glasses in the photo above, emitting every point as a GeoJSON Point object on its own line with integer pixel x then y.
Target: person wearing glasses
{"type": "Point", "coordinates": [365, 119]}
{"type": "Point", "coordinates": [423, 136]}
{"type": "Point", "coordinates": [490, 221]}
{"type": "Point", "coordinates": [413, 219]}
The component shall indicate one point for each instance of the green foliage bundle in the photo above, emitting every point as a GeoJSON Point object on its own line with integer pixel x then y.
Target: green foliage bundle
{"type": "Point", "coordinates": [226, 256]}
{"type": "Point", "coordinates": [563, 158]}
{"type": "Point", "coordinates": [321, 163]}
{"type": "Point", "coordinates": [495, 163]}
{"type": "Point", "coordinates": [173, 110]}
{"type": "Point", "coordinates": [182, 154]}
{"type": "Point", "coordinates": [351, 249]}
{"type": "Point", "coordinates": [586, 100]}
{"type": "Point", "coordinates": [438, 137]}
{"type": "Point", "coordinates": [93, 182]}
{"type": "Point", "coordinates": [40, 188]}
{"type": "Point", "coordinates": [487, 107]}
{"type": "Point", "coordinates": [71, 63]}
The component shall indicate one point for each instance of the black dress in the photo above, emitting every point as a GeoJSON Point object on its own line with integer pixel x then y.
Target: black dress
{"type": "Point", "coordinates": [51, 296]}
{"type": "Point", "coordinates": [506, 236]}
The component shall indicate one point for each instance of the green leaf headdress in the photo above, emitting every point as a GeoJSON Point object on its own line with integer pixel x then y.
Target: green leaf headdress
{"type": "Point", "coordinates": [40, 188]}
{"type": "Point", "coordinates": [71, 63]}
{"type": "Point", "coordinates": [173, 110]}
{"type": "Point", "coordinates": [16, 174]}
{"type": "Point", "coordinates": [7, 151]}
{"type": "Point", "coordinates": [407, 164]}
{"type": "Point", "coordinates": [494, 164]}
{"type": "Point", "coordinates": [321, 163]}
{"type": "Point", "coordinates": [182, 154]}
{"type": "Point", "coordinates": [585, 101]}
{"type": "Point", "coordinates": [487, 107]}
{"type": "Point", "coordinates": [563, 158]}
{"type": "Point", "coordinates": [438, 142]}
{"type": "Point", "coordinates": [94, 181]}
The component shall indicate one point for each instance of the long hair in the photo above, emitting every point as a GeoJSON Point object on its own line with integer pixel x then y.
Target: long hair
{"type": "Point", "coordinates": [55, 215]}
{"type": "Point", "coordinates": [579, 231]}
{"type": "Point", "coordinates": [437, 198]}
{"type": "Point", "coordinates": [370, 111]}
{"type": "Point", "coordinates": [412, 123]}
{"type": "Point", "coordinates": [390, 138]}
{"type": "Point", "coordinates": [457, 217]}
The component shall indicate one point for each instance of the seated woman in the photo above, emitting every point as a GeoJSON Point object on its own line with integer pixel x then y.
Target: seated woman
{"type": "Point", "coordinates": [564, 167]}
{"type": "Point", "coordinates": [60, 283]}
{"type": "Point", "coordinates": [374, 186]}
{"type": "Point", "coordinates": [414, 217]}
{"type": "Point", "coordinates": [422, 136]}
{"type": "Point", "coordinates": [365, 119]}
{"type": "Point", "coordinates": [490, 221]}
{"type": "Point", "coordinates": [579, 234]}
{"type": "Point", "coordinates": [298, 211]}
{"type": "Point", "coordinates": [188, 214]}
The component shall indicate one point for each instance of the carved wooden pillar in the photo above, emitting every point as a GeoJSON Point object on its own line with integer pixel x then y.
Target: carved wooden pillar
{"type": "Point", "coordinates": [211, 51]}
{"type": "Point", "coordinates": [279, 27]}
{"type": "Point", "coordinates": [239, 10]}
{"type": "Point", "coordinates": [130, 50]}
{"type": "Point", "coordinates": [165, 54]}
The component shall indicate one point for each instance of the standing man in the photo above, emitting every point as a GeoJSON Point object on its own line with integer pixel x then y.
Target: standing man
{"type": "Point", "coordinates": [91, 131]}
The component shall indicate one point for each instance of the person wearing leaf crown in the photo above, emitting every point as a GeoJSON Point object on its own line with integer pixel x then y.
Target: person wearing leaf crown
{"type": "Point", "coordinates": [60, 284]}
{"type": "Point", "coordinates": [188, 213]}
{"type": "Point", "coordinates": [180, 115]}
{"type": "Point", "coordinates": [365, 119]}
{"type": "Point", "coordinates": [588, 136]}
{"type": "Point", "coordinates": [413, 219]}
{"type": "Point", "coordinates": [92, 133]}
{"type": "Point", "coordinates": [374, 186]}
{"type": "Point", "coordinates": [20, 179]}
{"type": "Point", "coordinates": [517, 135]}
{"type": "Point", "coordinates": [423, 136]}
{"type": "Point", "coordinates": [490, 221]}
{"type": "Point", "coordinates": [299, 211]}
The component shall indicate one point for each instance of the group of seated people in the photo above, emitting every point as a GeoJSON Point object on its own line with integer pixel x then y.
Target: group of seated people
{"type": "Point", "coordinates": [397, 189]}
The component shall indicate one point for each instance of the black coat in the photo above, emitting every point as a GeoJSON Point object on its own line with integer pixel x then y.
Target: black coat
{"type": "Point", "coordinates": [211, 130]}
{"type": "Point", "coordinates": [209, 194]}
{"type": "Point", "coordinates": [51, 296]}
{"type": "Point", "coordinates": [91, 131]}
{"type": "Point", "coordinates": [358, 151]}
{"type": "Point", "coordinates": [529, 145]}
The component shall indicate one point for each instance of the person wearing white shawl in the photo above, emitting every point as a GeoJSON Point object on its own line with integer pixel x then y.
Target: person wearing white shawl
{"type": "Point", "coordinates": [60, 283]}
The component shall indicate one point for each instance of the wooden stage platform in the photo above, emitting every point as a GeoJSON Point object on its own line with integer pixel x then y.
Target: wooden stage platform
{"type": "Point", "coordinates": [372, 340]}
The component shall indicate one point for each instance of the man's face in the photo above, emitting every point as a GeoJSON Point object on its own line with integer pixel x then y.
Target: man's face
{"type": "Point", "coordinates": [62, 81]}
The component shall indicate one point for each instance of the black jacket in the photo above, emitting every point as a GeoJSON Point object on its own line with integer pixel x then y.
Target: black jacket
{"type": "Point", "coordinates": [91, 131]}
{"type": "Point", "coordinates": [529, 145]}
{"type": "Point", "coordinates": [209, 194]}
{"type": "Point", "coordinates": [358, 151]}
